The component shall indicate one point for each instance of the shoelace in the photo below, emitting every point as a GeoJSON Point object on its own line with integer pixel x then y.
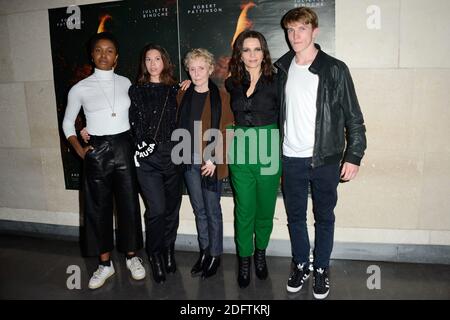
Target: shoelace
{"type": "Point", "coordinates": [295, 271]}
{"type": "Point", "coordinates": [244, 266]}
{"type": "Point", "coordinates": [320, 279]}
{"type": "Point", "coordinates": [99, 271]}
{"type": "Point", "coordinates": [136, 263]}
{"type": "Point", "coordinates": [246, 263]}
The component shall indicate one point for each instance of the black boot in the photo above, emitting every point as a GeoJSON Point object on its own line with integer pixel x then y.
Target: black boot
{"type": "Point", "coordinates": [157, 268]}
{"type": "Point", "coordinates": [244, 271]}
{"type": "Point", "coordinates": [169, 259]}
{"type": "Point", "coordinates": [198, 266]}
{"type": "Point", "coordinates": [260, 264]}
{"type": "Point", "coordinates": [211, 266]}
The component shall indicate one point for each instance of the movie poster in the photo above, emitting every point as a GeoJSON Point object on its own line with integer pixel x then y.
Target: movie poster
{"type": "Point", "coordinates": [134, 23]}
{"type": "Point", "coordinates": [214, 24]}
{"type": "Point", "coordinates": [176, 25]}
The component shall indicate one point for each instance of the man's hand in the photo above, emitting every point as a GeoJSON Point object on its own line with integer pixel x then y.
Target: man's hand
{"type": "Point", "coordinates": [349, 171]}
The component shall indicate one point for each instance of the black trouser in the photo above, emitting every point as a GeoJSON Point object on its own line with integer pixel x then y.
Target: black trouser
{"type": "Point", "coordinates": [160, 181]}
{"type": "Point", "coordinates": [109, 172]}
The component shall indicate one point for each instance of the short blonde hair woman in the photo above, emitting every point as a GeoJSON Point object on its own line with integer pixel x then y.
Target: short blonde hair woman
{"type": "Point", "coordinates": [204, 103]}
{"type": "Point", "coordinates": [198, 53]}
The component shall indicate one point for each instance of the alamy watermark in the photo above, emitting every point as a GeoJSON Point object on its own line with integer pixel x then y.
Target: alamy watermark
{"type": "Point", "coordinates": [74, 21]}
{"type": "Point", "coordinates": [74, 280]}
{"type": "Point", "coordinates": [374, 280]}
{"type": "Point", "coordinates": [249, 146]}
{"type": "Point", "coordinates": [373, 21]}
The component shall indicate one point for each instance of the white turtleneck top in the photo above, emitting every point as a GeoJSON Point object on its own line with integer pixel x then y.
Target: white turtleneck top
{"type": "Point", "coordinates": [96, 95]}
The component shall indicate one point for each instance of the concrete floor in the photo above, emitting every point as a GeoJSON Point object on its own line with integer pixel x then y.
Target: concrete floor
{"type": "Point", "coordinates": [36, 268]}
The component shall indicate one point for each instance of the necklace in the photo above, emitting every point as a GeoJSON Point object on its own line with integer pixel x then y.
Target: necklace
{"type": "Point", "coordinates": [111, 106]}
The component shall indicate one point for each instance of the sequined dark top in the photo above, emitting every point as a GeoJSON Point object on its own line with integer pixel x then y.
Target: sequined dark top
{"type": "Point", "coordinates": [147, 102]}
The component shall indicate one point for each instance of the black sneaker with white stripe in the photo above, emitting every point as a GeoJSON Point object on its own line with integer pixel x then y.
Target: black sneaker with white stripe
{"type": "Point", "coordinates": [321, 284]}
{"type": "Point", "coordinates": [298, 276]}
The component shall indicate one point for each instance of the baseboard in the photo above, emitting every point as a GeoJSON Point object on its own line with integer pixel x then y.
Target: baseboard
{"type": "Point", "coordinates": [435, 254]}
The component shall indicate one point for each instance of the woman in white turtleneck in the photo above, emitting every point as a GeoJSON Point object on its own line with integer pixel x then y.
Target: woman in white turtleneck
{"type": "Point", "coordinates": [108, 162]}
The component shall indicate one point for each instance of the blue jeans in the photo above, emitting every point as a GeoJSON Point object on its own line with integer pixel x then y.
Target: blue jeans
{"type": "Point", "coordinates": [297, 176]}
{"type": "Point", "coordinates": [207, 211]}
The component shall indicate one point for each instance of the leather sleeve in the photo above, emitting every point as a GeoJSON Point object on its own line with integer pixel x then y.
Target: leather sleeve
{"type": "Point", "coordinates": [355, 129]}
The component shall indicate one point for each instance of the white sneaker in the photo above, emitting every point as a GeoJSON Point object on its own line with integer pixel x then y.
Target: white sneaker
{"type": "Point", "coordinates": [137, 269]}
{"type": "Point", "coordinates": [100, 276]}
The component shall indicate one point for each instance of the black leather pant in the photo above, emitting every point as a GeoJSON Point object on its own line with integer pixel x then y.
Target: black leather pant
{"type": "Point", "coordinates": [161, 185]}
{"type": "Point", "coordinates": [109, 172]}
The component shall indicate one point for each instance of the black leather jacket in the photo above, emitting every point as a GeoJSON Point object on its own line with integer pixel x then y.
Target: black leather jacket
{"type": "Point", "coordinates": [340, 130]}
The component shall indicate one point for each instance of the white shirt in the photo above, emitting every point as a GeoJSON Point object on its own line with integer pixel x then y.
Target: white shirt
{"type": "Point", "coordinates": [300, 123]}
{"type": "Point", "coordinates": [96, 94]}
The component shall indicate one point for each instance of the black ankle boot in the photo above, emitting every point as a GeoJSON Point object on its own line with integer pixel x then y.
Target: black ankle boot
{"type": "Point", "coordinates": [260, 264]}
{"type": "Point", "coordinates": [211, 266]}
{"type": "Point", "coordinates": [199, 265]}
{"type": "Point", "coordinates": [169, 259]}
{"type": "Point", "coordinates": [157, 268]}
{"type": "Point", "coordinates": [244, 271]}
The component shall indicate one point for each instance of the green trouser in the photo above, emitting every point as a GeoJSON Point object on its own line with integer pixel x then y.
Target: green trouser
{"type": "Point", "coordinates": [255, 176]}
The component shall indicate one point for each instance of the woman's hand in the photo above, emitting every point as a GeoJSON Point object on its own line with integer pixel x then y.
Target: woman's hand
{"type": "Point", "coordinates": [84, 151]}
{"type": "Point", "coordinates": [81, 151]}
{"type": "Point", "coordinates": [85, 135]}
{"type": "Point", "coordinates": [185, 85]}
{"type": "Point", "coordinates": [208, 168]}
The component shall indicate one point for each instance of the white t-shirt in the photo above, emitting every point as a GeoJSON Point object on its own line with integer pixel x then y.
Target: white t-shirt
{"type": "Point", "coordinates": [96, 94]}
{"type": "Point", "coordinates": [300, 123]}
